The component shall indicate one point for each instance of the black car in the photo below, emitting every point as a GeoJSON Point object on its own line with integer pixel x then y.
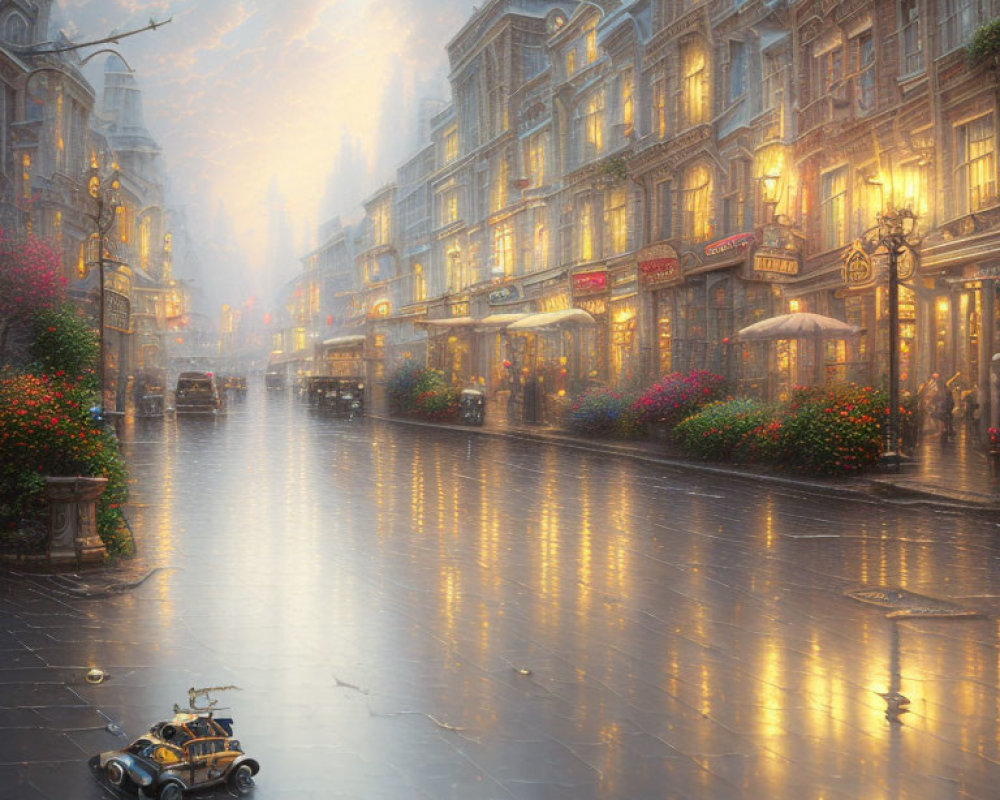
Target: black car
{"type": "Point", "coordinates": [191, 751]}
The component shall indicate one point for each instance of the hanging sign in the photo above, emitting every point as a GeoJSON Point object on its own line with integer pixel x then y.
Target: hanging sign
{"type": "Point", "coordinates": [857, 266]}
{"type": "Point", "coordinates": [739, 241]}
{"type": "Point", "coordinates": [503, 295]}
{"type": "Point", "coordinates": [117, 311]}
{"type": "Point", "coordinates": [659, 265]}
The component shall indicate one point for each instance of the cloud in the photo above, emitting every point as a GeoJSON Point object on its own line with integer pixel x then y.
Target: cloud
{"type": "Point", "coordinates": [240, 93]}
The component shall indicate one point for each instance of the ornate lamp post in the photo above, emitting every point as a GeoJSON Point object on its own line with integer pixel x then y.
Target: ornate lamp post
{"type": "Point", "coordinates": [104, 194]}
{"type": "Point", "coordinates": [896, 230]}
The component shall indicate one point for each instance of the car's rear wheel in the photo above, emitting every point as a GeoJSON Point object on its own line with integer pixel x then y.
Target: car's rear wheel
{"type": "Point", "coordinates": [170, 791]}
{"type": "Point", "coordinates": [241, 779]}
{"type": "Point", "coordinates": [117, 776]}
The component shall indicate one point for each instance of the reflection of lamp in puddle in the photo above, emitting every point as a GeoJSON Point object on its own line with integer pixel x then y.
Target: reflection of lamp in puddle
{"type": "Point", "coordinates": [895, 703]}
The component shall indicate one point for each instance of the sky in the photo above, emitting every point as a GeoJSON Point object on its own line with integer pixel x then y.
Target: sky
{"type": "Point", "coordinates": [253, 101]}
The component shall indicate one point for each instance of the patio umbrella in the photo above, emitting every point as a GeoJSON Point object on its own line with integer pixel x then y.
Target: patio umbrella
{"type": "Point", "coordinates": [798, 325]}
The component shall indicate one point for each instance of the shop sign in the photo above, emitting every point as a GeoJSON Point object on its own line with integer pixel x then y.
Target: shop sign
{"type": "Point", "coordinates": [117, 311]}
{"type": "Point", "coordinates": [739, 241]}
{"type": "Point", "coordinates": [857, 267]}
{"type": "Point", "coordinates": [460, 308]}
{"type": "Point", "coordinates": [775, 264]}
{"type": "Point", "coordinates": [504, 294]}
{"type": "Point", "coordinates": [985, 272]}
{"type": "Point", "coordinates": [658, 265]}
{"type": "Point", "coordinates": [590, 282]}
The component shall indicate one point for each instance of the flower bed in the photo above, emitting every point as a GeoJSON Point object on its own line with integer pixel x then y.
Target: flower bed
{"type": "Point", "coordinates": [717, 429]}
{"type": "Point", "coordinates": [676, 396]}
{"type": "Point", "coordinates": [417, 391]}
{"type": "Point", "coordinates": [46, 429]}
{"type": "Point", "coordinates": [604, 412]}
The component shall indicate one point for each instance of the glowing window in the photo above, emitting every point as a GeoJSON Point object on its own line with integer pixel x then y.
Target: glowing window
{"type": "Point", "coordinates": [591, 41]}
{"type": "Point", "coordinates": [694, 97]}
{"type": "Point", "coordinates": [626, 101]}
{"type": "Point", "coordinates": [503, 250]}
{"type": "Point", "coordinates": [585, 248]}
{"type": "Point", "coordinates": [451, 144]}
{"type": "Point", "coordinates": [697, 203]}
{"type": "Point", "coordinates": [975, 164]}
{"type": "Point", "coordinates": [615, 220]}
{"type": "Point", "coordinates": [833, 202]}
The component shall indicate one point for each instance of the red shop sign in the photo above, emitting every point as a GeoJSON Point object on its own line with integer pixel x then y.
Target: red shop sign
{"type": "Point", "coordinates": [590, 282]}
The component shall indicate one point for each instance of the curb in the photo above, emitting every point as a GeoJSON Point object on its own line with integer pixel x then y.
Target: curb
{"type": "Point", "coordinates": [871, 489]}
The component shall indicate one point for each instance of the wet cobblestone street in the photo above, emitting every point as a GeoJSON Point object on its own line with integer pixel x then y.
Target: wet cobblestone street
{"type": "Point", "coordinates": [416, 613]}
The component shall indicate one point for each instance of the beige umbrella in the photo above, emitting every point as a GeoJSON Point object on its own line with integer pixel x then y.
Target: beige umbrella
{"type": "Point", "coordinates": [799, 325]}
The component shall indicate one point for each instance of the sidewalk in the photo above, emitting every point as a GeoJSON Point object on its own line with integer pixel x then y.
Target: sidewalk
{"type": "Point", "coordinates": [950, 472]}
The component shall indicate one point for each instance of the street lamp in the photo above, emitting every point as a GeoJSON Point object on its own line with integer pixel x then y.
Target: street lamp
{"type": "Point", "coordinates": [104, 194]}
{"type": "Point", "coordinates": [896, 230]}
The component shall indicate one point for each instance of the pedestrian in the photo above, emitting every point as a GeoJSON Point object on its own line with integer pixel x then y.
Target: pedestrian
{"type": "Point", "coordinates": [930, 400]}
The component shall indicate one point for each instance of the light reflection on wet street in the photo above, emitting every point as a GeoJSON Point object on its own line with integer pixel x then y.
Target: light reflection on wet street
{"type": "Point", "coordinates": [418, 613]}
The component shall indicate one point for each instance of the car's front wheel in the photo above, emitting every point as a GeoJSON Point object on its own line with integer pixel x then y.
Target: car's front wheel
{"type": "Point", "coordinates": [241, 779]}
{"type": "Point", "coordinates": [170, 791]}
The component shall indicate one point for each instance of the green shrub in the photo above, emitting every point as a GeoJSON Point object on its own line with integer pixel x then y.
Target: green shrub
{"type": "Point", "coordinates": [714, 432]}
{"type": "Point", "coordinates": [984, 45]}
{"type": "Point", "coordinates": [65, 343]}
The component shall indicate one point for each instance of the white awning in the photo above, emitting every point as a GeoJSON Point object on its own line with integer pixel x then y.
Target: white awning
{"type": "Point", "coordinates": [344, 341]}
{"type": "Point", "coordinates": [551, 319]}
{"type": "Point", "coordinates": [498, 320]}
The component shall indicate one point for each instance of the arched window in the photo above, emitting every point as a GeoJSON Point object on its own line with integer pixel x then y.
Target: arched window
{"type": "Point", "coordinates": [15, 29]}
{"type": "Point", "coordinates": [697, 203]}
{"type": "Point", "coordinates": [694, 90]}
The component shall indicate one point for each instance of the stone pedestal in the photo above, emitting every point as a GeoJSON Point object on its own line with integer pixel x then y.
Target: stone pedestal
{"type": "Point", "coordinates": [73, 535]}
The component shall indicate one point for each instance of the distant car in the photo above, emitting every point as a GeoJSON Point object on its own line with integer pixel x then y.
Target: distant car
{"type": "Point", "coordinates": [191, 751]}
{"type": "Point", "coordinates": [197, 393]}
{"type": "Point", "coordinates": [274, 381]}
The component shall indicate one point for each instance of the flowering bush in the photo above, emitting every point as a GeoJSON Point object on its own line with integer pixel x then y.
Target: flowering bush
{"type": "Point", "coordinates": [603, 412]}
{"type": "Point", "coordinates": [832, 431]}
{"type": "Point", "coordinates": [46, 429]}
{"type": "Point", "coordinates": [30, 281]}
{"type": "Point", "coordinates": [676, 396]}
{"type": "Point", "coordinates": [714, 432]}
{"type": "Point", "coordinates": [418, 391]}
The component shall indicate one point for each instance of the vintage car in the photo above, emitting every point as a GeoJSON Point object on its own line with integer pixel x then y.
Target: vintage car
{"type": "Point", "coordinates": [345, 396]}
{"type": "Point", "coordinates": [149, 392]}
{"type": "Point", "coordinates": [191, 751]}
{"type": "Point", "coordinates": [197, 393]}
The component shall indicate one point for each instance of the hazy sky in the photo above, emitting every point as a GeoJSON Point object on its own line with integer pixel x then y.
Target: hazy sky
{"type": "Point", "coordinates": [240, 93]}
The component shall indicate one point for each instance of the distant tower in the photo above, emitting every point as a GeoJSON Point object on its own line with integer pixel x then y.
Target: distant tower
{"type": "Point", "coordinates": [125, 124]}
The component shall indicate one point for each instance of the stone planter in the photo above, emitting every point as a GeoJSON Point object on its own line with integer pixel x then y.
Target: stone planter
{"type": "Point", "coordinates": [73, 537]}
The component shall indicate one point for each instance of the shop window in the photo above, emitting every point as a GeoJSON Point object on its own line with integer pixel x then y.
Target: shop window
{"type": "Point", "coordinates": [833, 202]}
{"type": "Point", "coordinates": [694, 97]}
{"type": "Point", "coordinates": [910, 39]}
{"type": "Point", "coordinates": [697, 203]}
{"type": "Point", "coordinates": [975, 165]}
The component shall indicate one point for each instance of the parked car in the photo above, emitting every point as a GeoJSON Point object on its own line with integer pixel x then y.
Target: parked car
{"type": "Point", "coordinates": [149, 391]}
{"type": "Point", "coordinates": [197, 393]}
{"type": "Point", "coordinates": [274, 381]}
{"type": "Point", "coordinates": [344, 396]}
{"type": "Point", "coordinates": [191, 751]}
